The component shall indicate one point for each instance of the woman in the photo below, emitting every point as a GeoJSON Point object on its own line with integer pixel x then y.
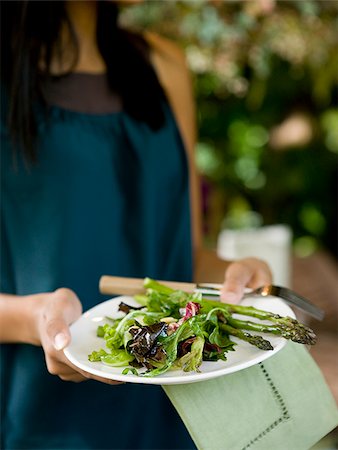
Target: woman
{"type": "Point", "coordinates": [95, 181]}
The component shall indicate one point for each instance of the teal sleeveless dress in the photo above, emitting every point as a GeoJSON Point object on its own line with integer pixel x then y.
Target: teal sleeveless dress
{"type": "Point", "coordinates": [107, 196]}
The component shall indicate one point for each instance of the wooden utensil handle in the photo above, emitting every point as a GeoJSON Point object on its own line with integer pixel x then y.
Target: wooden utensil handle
{"type": "Point", "coordinates": [131, 286]}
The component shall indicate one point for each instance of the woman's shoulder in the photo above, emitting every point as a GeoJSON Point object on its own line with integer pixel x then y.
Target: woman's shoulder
{"type": "Point", "coordinates": [166, 49]}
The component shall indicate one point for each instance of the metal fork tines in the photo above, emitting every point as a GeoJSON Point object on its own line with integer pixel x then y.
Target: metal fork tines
{"type": "Point", "coordinates": [289, 296]}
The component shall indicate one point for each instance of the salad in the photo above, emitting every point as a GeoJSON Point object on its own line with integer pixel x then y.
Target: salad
{"type": "Point", "coordinates": [177, 330]}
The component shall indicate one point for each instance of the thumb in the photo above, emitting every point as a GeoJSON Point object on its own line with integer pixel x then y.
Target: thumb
{"type": "Point", "coordinates": [237, 277]}
{"type": "Point", "coordinates": [64, 307]}
{"type": "Point", "coordinates": [58, 333]}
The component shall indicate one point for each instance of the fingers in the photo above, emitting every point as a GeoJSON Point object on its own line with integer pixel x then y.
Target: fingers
{"type": "Point", "coordinates": [86, 376]}
{"type": "Point", "coordinates": [58, 364]}
{"type": "Point", "coordinates": [90, 376]}
{"type": "Point", "coordinates": [248, 272]}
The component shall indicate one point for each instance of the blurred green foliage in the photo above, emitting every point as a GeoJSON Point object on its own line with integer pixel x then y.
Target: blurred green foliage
{"type": "Point", "coordinates": [265, 76]}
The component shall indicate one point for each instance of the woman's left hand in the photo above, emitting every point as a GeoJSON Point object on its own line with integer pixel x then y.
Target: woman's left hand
{"type": "Point", "coordinates": [247, 272]}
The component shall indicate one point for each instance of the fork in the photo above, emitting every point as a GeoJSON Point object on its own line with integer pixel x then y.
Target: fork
{"type": "Point", "coordinates": [289, 296]}
{"type": "Point", "coordinates": [132, 286]}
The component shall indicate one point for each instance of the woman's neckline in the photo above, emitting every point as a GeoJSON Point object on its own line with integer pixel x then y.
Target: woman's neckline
{"type": "Point", "coordinates": [82, 92]}
{"type": "Point", "coordinates": [79, 74]}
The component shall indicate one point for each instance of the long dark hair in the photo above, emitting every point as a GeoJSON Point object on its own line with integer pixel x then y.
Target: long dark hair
{"type": "Point", "coordinates": [30, 32]}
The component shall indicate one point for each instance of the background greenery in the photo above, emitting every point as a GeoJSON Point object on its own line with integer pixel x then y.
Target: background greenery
{"type": "Point", "coordinates": [265, 75]}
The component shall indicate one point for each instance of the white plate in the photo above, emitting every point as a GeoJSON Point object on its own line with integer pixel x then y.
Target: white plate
{"type": "Point", "coordinates": [84, 341]}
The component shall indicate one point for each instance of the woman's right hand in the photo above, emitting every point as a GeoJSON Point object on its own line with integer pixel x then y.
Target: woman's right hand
{"type": "Point", "coordinates": [44, 319]}
{"type": "Point", "coordinates": [53, 314]}
{"type": "Point", "coordinates": [56, 311]}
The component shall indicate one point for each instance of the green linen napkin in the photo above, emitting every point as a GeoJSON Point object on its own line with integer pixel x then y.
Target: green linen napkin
{"type": "Point", "coordinates": [280, 404]}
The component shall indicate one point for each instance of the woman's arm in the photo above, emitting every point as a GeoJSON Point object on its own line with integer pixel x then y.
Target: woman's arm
{"type": "Point", "coordinates": [170, 64]}
{"type": "Point", "coordinates": [17, 318]}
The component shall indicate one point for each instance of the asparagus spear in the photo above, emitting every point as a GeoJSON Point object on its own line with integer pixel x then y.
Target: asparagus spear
{"type": "Point", "coordinates": [257, 341]}
{"type": "Point", "coordinates": [287, 327]}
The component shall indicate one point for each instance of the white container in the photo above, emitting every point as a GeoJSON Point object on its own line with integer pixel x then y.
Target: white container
{"type": "Point", "coordinates": [270, 243]}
